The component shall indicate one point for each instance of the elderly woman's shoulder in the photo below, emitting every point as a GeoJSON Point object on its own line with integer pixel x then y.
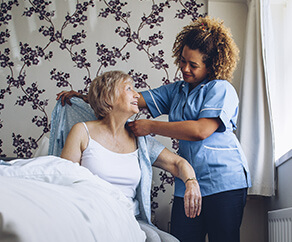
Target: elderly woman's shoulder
{"type": "Point", "coordinates": [78, 126]}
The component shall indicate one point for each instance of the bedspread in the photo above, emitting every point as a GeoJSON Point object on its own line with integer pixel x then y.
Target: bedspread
{"type": "Point", "coordinates": [50, 199]}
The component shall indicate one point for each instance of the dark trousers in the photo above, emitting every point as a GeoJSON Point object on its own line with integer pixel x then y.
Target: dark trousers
{"type": "Point", "coordinates": [220, 218]}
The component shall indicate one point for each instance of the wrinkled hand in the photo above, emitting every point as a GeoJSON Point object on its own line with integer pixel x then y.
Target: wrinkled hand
{"type": "Point", "coordinates": [192, 199]}
{"type": "Point", "coordinates": [140, 127]}
{"type": "Point", "coordinates": [65, 96]}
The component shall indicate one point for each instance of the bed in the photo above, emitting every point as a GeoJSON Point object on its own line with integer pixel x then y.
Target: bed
{"type": "Point", "coordinates": [50, 199]}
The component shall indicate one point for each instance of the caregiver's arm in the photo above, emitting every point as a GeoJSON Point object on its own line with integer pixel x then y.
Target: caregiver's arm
{"type": "Point", "coordinates": [184, 130]}
{"type": "Point", "coordinates": [180, 168]}
{"type": "Point", "coordinates": [141, 101]}
{"type": "Point", "coordinates": [65, 96]}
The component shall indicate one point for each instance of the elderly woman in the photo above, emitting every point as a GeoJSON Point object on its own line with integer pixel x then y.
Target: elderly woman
{"type": "Point", "coordinates": [110, 150]}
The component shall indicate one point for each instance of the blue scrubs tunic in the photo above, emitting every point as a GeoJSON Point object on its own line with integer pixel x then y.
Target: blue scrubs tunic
{"type": "Point", "coordinates": [218, 160]}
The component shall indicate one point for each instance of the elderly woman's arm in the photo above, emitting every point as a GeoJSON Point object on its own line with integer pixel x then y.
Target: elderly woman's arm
{"type": "Point", "coordinates": [180, 168]}
{"type": "Point", "coordinates": [75, 143]}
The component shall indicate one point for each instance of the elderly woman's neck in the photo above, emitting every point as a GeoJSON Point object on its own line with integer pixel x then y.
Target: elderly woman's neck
{"type": "Point", "coordinates": [114, 123]}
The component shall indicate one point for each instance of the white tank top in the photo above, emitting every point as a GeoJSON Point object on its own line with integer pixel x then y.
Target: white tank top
{"type": "Point", "coordinates": [121, 170]}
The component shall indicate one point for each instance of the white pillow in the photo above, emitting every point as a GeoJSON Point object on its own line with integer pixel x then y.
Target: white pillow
{"type": "Point", "coordinates": [51, 169]}
{"type": "Point", "coordinates": [43, 148]}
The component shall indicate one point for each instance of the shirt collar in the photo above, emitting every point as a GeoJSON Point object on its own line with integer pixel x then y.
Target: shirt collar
{"type": "Point", "coordinates": [185, 86]}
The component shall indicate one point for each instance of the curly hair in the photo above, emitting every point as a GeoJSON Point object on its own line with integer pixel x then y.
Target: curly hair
{"type": "Point", "coordinates": [214, 41]}
{"type": "Point", "coordinates": [104, 90]}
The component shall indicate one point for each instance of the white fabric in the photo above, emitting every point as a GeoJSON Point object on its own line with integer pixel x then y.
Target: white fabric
{"type": "Point", "coordinates": [43, 147]}
{"type": "Point", "coordinates": [51, 199]}
{"type": "Point", "coordinates": [255, 123]}
{"type": "Point", "coordinates": [121, 170]}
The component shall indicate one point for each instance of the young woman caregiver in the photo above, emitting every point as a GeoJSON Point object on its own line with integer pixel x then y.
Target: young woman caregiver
{"type": "Point", "coordinates": [202, 111]}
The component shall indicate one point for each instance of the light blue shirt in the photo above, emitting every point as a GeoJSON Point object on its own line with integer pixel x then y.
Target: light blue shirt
{"type": "Point", "coordinates": [218, 160]}
{"type": "Point", "coordinates": [62, 120]}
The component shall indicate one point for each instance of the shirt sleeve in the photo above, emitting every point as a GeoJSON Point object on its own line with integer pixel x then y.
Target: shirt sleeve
{"type": "Point", "coordinates": [221, 101]}
{"type": "Point", "coordinates": [159, 100]}
{"type": "Point", "coordinates": [154, 147]}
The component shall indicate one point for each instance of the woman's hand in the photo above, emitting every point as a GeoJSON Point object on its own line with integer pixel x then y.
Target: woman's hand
{"type": "Point", "coordinates": [140, 127]}
{"type": "Point", "coordinates": [65, 96]}
{"type": "Point", "coordinates": [180, 168]}
{"type": "Point", "coordinates": [192, 199]}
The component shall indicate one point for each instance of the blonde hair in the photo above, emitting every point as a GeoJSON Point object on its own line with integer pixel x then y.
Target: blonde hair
{"type": "Point", "coordinates": [103, 92]}
{"type": "Point", "coordinates": [214, 41]}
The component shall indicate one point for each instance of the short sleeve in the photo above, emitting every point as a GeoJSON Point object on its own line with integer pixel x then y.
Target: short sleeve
{"type": "Point", "coordinates": [220, 101]}
{"type": "Point", "coordinates": [159, 100]}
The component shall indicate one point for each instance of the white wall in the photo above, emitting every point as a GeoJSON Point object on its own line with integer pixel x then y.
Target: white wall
{"type": "Point", "coordinates": [234, 15]}
{"type": "Point", "coordinates": [283, 198]}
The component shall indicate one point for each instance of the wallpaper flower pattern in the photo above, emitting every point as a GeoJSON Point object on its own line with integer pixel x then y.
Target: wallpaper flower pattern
{"type": "Point", "coordinates": [66, 44]}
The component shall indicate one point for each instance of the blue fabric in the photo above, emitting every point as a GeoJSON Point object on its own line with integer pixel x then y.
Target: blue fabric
{"type": "Point", "coordinates": [218, 160]}
{"type": "Point", "coordinates": [64, 117]}
{"type": "Point", "coordinates": [4, 163]}
{"type": "Point", "coordinates": [62, 120]}
{"type": "Point", "coordinates": [149, 150]}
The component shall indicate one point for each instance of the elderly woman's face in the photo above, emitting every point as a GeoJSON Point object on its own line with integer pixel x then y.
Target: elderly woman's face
{"type": "Point", "coordinates": [127, 98]}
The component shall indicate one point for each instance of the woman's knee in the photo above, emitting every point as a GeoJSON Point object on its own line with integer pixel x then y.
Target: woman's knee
{"type": "Point", "coordinates": [153, 234]}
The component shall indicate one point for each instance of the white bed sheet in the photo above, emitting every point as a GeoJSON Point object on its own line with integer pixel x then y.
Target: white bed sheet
{"type": "Point", "coordinates": [49, 199]}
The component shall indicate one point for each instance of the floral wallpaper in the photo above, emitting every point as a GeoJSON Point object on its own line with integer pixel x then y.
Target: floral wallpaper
{"type": "Point", "coordinates": [50, 46]}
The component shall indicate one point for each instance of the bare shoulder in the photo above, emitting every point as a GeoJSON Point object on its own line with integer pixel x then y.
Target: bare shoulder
{"type": "Point", "coordinates": [78, 127]}
{"type": "Point", "coordinates": [78, 136]}
{"type": "Point", "coordinates": [93, 126]}
{"type": "Point", "coordinates": [92, 123]}
{"type": "Point", "coordinates": [78, 132]}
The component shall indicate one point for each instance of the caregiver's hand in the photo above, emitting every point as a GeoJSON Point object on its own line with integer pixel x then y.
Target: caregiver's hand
{"type": "Point", "coordinates": [65, 96]}
{"type": "Point", "coordinates": [141, 127]}
{"type": "Point", "coordinates": [192, 199]}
